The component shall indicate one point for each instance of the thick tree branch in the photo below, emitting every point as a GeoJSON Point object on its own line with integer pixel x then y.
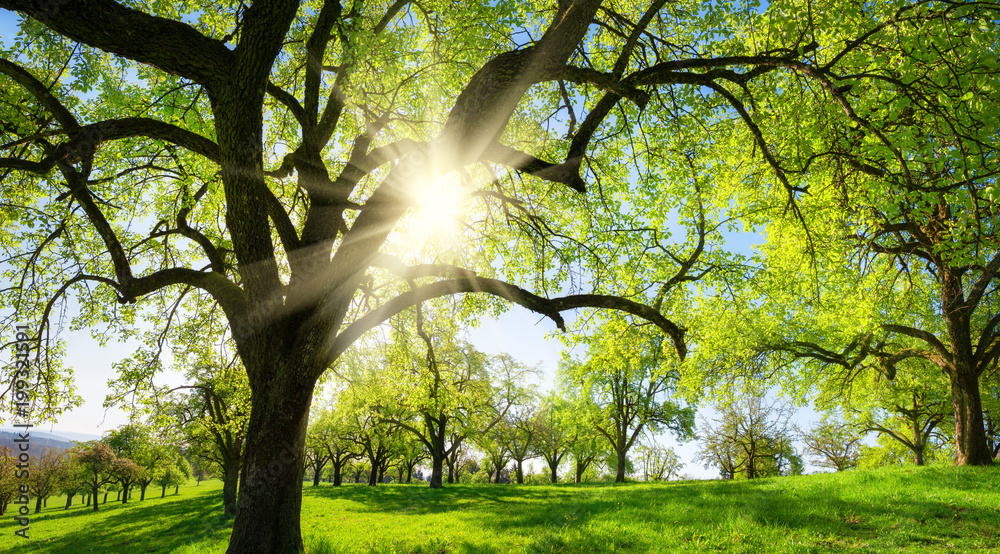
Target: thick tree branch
{"type": "Point", "coordinates": [174, 47]}
{"type": "Point", "coordinates": [936, 345]}
{"type": "Point", "coordinates": [565, 173]}
{"type": "Point", "coordinates": [550, 307]}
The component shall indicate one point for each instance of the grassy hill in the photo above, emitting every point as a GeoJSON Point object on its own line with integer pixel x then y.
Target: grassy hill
{"type": "Point", "coordinates": [889, 510]}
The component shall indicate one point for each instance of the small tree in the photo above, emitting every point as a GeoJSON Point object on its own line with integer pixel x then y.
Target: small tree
{"type": "Point", "coordinates": [72, 484]}
{"type": "Point", "coordinates": [751, 438]}
{"type": "Point", "coordinates": [521, 436]}
{"type": "Point", "coordinates": [48, 472]}
{"type": "Point", "coordinates": [173, 475]}
{"type": "Point", "coordinates": [552, 434]}
{"type": "Point", "coordinates": [833, 444]}
{"type": "Point", "coordinates": [97, 464]}
{"type": "Point", "coordinates": [316, 454]}
{"type": "Point", "coordinates": [659, 463]}
{"type": "Point", "coordinates": [915, 423]}
{"type": "Point", "coordinates": [126, 473]}
{"type": "Point", "coordinates": [8, 482]}
{"type": "Point", "coordinates": [630, 380]}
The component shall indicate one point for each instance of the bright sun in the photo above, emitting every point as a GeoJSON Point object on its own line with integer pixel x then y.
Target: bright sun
{"type": "Point", "coordinates": [438, 210]}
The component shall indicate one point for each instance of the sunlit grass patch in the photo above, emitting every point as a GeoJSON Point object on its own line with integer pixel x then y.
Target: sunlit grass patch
{"type": "Point", "coordinates": [888, 510]}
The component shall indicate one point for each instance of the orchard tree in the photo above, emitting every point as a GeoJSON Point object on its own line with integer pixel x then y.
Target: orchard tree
{"type": "Point", "coordinates": [552, 433]}
{"type": "Point", "coordinates": [913, 422]}
{"type": "Point", "coordinates": [494, 445]}
{"type": "Point", "coordinates": [437, 386]}
{"type": "Point", "coordinates": [751, 438]}
{"type": "Point", "coordinates": [125, 474]}
{"type": "Point", "coordinates": [630, 383]}
{"type": "Point", "coordinates": [891, 256]}
{"type": "Point", "coordinates": [47, 473]}
{"type": "Point", "coordinates": [522, 436]}
{"type": "Point", "coordinates": [96, 462]}
{"type": "Point", "coordinates": [72, 484]}
{"type": "Point", "coordinates": [375, 439]}
{"type": "Point", "coordinates": [174, 473]}
{"type": "Point", "coordinates": [834, 444]}
{"type": "Point", "coordinates": [213, 418]}
{"type": "Point", "coordinates": [410, 453]}
{"type": "Point", "coordinates": [9, 485]}
{"type": "Point", "coordinates": [316, 456]}
{"type": "Point", "coordinates": [659, 463]}
{"type": "Point", "coordinates": [128, 442]}
{"type": "Point", "coordinates": [268, 158]}
{"type": "Point", "coordinates": [330, 431]}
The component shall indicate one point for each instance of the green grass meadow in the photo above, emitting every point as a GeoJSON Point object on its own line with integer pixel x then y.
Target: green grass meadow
{"type": "Point", "coordinates": [888, 510]}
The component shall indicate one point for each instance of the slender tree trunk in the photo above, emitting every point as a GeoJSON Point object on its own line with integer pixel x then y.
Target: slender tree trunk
{"type": "Point", "coordinates": [105, 497]}
{"type": "Point", "coordinates": [580, 468]}
{"type": "Point", "coordinates": [553, 475]}
{"type": "Point", "coordinates": [270, 486]}
{"type": "Point", "coordinates": [142, 492]}
{"type": "Point", "coordinates": [163, 492]}
{"type": "Point", "coordinates": [38, 505]}
{"type": "Point", "coordinates": [177, 489]}
{"type": "Point", "coordinates": [520, 473]}
{"type": "Point", "coordinates": [124, 495]}
{"type": "Point", "coordinates": [118, 496]}
{"type": "Point", "coordinates": [230, 479]}
{"type": "Point", "coordinates": [92, 497]}
{"type": "Point", "coordinates": [69, 500]}
{"type": "Point", "coordinates": [317, 474]}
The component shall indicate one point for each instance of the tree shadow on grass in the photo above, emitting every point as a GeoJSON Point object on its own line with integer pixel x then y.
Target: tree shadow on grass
{"type": "Point", "coordinates": [424, 500]}
{"type": "Point", "coordinates": [825, 512]}
{"type": "Point", "coordinates": [146, 526]}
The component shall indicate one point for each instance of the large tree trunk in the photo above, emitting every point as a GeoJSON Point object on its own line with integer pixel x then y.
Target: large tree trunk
{"type": "Point", "coordinates": [970, 433]}
{"type": "Point", "coordinates": [338, 476]}
{"type": "Point", "coordinates": [270, 492]}
{"type": "Point", "coordinates": [520, 472]}
{"type": "Point", "coordinates": [971, 447]}
{"type": "Point", "coordinates": [38, 505]}
{"type": "Point", "coordinates": [437, 469]}
{"type": "Point", "coordinates": [69, 500]}
{"type": "Point", "coordinates": [621, 456]}
{"type": "Point", "coordinates": [94, 497]}
{"type": "Point", "coordinates": [553, 476]}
